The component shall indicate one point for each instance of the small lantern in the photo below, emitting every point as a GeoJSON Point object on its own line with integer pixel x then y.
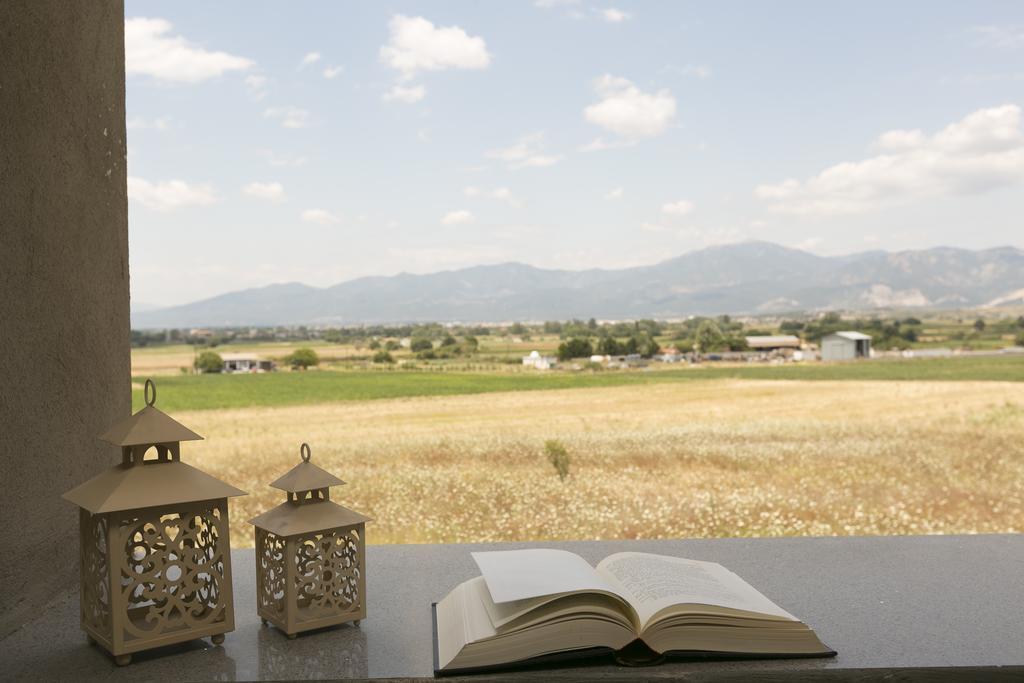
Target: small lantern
{"type": "Point", "coordinates": [310, 555]}
{"type": "Point", "coordinates": [155, 552]}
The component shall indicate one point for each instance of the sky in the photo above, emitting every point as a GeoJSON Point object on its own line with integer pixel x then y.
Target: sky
{"type": "Point", "coordinates": [318, 142]}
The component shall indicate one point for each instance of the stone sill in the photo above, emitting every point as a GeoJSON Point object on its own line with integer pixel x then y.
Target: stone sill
{"type": "Point", "coordinates": [919, 607]}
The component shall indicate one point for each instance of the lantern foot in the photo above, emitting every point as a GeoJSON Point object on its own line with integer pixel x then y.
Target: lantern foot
{"type": "Point", "coordinates": [356, 622]}
{"type": "Point", "coordinates": [123, 660]}
{"type": "Point", "coordinates": [293, 636]}
{"type": "Point", "coordinates": [217, 638]}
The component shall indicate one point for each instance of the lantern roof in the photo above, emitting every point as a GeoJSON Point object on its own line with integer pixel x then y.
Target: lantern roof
{"type": "Point", "coordinates": [148, 426]}
{"type": "Point", "coordinates": [305, 476]}
{"type": "Point", "coordinates": [289, 519]}
{"type": "Point", "coordinates": [148, 484]}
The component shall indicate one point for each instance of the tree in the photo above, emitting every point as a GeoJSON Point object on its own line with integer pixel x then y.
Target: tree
{"type": "Point", "coordinates": [470, 343]}
{"type": "Point", "coordinates": [383, 357]}
{"type": "Point", "coordinates": [517, 328]}
{"type": "Point", "coordinates": [419, 344]}
{"type": "Point", "coordinates": [708, 338]}
{"type": "Point", "coordinates": [577, 347]}
{"type": "Point", "coordinates": [646, 346]}
{"type": "Point", "coordinates": [1019, 341]}
{"type": "Point", "coordinates": [209, 361]}
{"type": "Point", "coordinates": [1020, 321]}
{"type": "Point", "coordinates": [391, 345]}
{"type": "Point", "coordinates": [449, 340]}
{"type": "Point", "coordinates": [374, 345]}
{"type": "Point", "coordinates": [608, 346]}
{"type": "Point", "coordinates": [979, 325]}
{"type": "Point", "coordinates": [303, 358]}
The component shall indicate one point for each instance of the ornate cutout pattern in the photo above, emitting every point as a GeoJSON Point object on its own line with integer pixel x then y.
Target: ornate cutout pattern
{"type": "Point", "coordinates": [272, 569]}
{"type": "Point", "coordinates": [172, 569]}
{"type": "Point", "coordinates": [95, 590]}
{"type": "Point", "coordinates": [327, 573]}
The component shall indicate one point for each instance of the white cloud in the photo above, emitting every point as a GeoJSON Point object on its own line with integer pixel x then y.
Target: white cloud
{"type": "Point", "coordinates": [809, 244]}
{"type": "Point", "coordinates": [710, 237]}
{"type": "Point", "coordinates": [1003, 37]}
{"type": "Point", "coordinates": [287, 162]}
{"type": "Point", "coordinates": [653, 227]}
{"type": "Point", "coordinates": [256, 84]}
{"type": "Point", "coordinates": [501, 194]}
{"type": "Point", "coordinates": [408, 95]}
{"type": "Point", "coordinates": [273, 191]}
{"type": "Point", "coordinates": [459, 217]}
{"type": "Point", "coordinates": [626, 110]}
{"type": "Point", "coordinates": [599, 144]}
{"type": "Point", "coordinates": [151, 50]}
{"type": "Point", "coordinates": [617, 193]}
{"type": "Point", "coordinates": [614, 16]}
{"type": "Point", "coordinates": [700, 71]}
{"type": "Point", "coordinates": [290, 117]}
{"type": "Point", "coordinates": [528, 152]}
{"type": "Point", "coordinates": [310, 58]}
{"type": "Point", "coordinates": [168, 195]}
{"type": "Point", "coordinates": [981, 152]}
{"type": "Point", "coordinates": [332, 72]}
{"type": "Point", "coordinates": [320, 216]}
{"type": "Point", "coordinates": [678, 208]}
{"type": "Point", "coordinates": [138, 123]}
{"type": "Point", "coordinates": [415, 45]}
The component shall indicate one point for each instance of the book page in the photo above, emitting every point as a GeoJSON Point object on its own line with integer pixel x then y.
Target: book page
{"type": "Point", "coordinates": [514, 575]}
{"type": "Point", "coordinates": [652, 583]}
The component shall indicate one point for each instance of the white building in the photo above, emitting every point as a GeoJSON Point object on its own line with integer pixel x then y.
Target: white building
{"type": "Point", "coordinates": [845, 346]}
{"type": "Point", "coordinates": [245, 362]}
{"type": "Point", "coordinates": [539, 362]}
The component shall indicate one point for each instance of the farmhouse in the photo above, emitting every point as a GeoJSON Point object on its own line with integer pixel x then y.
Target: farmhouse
{"type": "Point", "coordinates": [775, 342]}
{"type": "Point", "coordinates": [539, 362]}
{"type": "Point", "coordinates": [845, 346]}
{"type": "Point", "coordinates": [243, 362]}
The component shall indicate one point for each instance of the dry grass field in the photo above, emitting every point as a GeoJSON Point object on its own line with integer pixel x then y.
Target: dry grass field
{"type": "Point", "coordinates": [696, 459]}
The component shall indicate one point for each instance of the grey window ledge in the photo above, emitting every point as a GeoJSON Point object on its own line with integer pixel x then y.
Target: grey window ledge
{"type": "Point", "coordinates": [918, 608]}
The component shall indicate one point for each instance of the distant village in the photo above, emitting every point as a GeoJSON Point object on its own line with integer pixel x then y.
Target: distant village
{"type": "Point", "coordinates": [592, 344]}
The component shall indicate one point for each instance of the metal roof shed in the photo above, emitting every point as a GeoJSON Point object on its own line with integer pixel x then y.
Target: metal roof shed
{"type": "Point", "coordinates": [845, 346]}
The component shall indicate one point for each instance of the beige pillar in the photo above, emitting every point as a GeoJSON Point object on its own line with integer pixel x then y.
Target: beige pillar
{"type": "Point", "coordinates": [64, 328]}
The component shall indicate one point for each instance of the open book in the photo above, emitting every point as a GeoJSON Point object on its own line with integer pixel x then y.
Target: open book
{"type": "Point", "coordinates": [536, 605]}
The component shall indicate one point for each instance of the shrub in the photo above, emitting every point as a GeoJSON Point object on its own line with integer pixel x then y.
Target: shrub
{"type": "Point", "coordinates": [420, 344]}
{"type": "Point", "coordinates": [1019, 341]}
{"type": "Point", "coordinates": [209, 361]}
{"type": "Point", "coordinates": [383, 357]}
{"type": "Point", "coordinates": [303, 358]}
{"type": "Point", "coordinates": [558, 456]}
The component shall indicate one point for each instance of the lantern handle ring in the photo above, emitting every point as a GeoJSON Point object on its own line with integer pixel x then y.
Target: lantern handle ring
{"type": "Point", "coordinates": [149, 385]}
{"type": "Point", "coordinates": [305, 452]}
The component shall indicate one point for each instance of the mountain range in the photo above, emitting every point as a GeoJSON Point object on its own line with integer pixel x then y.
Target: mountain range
{"type": "Point", "coordinates": [745, 278]}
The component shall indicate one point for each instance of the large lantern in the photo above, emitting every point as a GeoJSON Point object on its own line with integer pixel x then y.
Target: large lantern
{"type": "Point", "coordinates": [310, 555]}
{"type": "Point", "coordinates": [155, 551]}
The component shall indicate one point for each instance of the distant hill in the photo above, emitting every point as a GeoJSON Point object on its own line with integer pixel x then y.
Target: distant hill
{"type": "Point", "coordinates": [751, 277]}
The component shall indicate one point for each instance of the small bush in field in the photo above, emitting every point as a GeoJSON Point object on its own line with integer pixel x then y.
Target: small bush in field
{"type": "Point", "coordinates": [558, 456]}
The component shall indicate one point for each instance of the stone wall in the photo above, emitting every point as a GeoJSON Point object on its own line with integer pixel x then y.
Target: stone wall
{"type": "Point", "coordinates": [64, 327]}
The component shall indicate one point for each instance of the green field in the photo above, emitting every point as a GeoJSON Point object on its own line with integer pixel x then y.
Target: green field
{"type": "Point", "coordinates": [211, 392]}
